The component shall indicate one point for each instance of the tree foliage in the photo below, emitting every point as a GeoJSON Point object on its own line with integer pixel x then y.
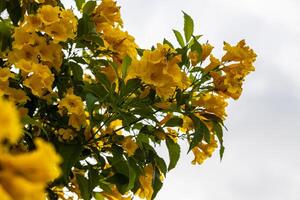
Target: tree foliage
{"type": "Point", "coordinates": [83, 107]}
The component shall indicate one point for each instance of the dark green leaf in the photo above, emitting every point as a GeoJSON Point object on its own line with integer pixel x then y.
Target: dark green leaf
{"type": "Point", "coordinates": [5, 35]}
{"type": "Point", "coordinates": [90, 102]}
{"type": "Point", "coordinates": [70, 154]}
{"type": "Point", "coordinates": [168, 43]}
{"type": "Point", "coordinates": [89, 7]}
{"type": "Point", "coordinates": [125, 64]}
{"type": "Point", "coordinates": [174, 153]}
{"type": "Point", "coordinates": [200, 131]}
{"type": "Point", "coordinates": [2, 5]}
{"type": "Point", "coordinates": [179, 38]}
{"type": "Point", "coordinates": [84, 187]}
{"type": "Point", "coordinates": [157, 184]}
{"type": "Point", "coordinates": [160, 163]}
{"type": "Point", "coordinates": [76, 70]}
{"type": "Point", "coordinates": [188, 27]}
{"type": "Point", "coordinates": [219, 132]}
{"type": "Point", "coordinates": [175, 121]}
{"type": "Point", "coordinates": [14, 10]}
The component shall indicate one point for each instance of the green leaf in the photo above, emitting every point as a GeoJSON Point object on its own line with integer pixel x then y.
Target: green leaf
{"type": "Point", "coordinates": [90, 102]}
{"type": "Point", "coordinates": [157, 184]}
{"type": "Point", "coordinates": [125, 64]}
{"type": "Point", "coordinates": [168, 43]}
{"type": "Point", "coordinates": [79, 3]}
{"type": "Point", "coordinates": [83, 186]}
{"type": "Point", "coordinates": [179, 38]}
{"type": "Point", "coordinates": [200, 131]}
{"type": "Point", "coordinates": [99, 196]}
{"type": "Point", "coordinates": [2, 5]}
{"type": "Point", "coordinates": [174, 153]}
{"type": "Point", "coordinates": [188, 27]}
{"type": "Point", "coordinates": [76, 70]}
{"type": "Point", "coordinates": [85, 26]}
{"type": "Point", "coordinates": [14, 10]}
{"type": "Point", "coordinates": [175, 121]}
{"type": "Point", "coordinates": [196, 46]}
{"type": "Point", "coordinates": [70, 154]}
{"type": "Point", "coordinates": [219, 132]}
{"type": "Point", "coordinates": [131, 176]}
{"type": "Point", "coordinates": [28, 120]}
{"type": "Point", "coordinates": [160, 163]}
{"type": "Point", "coordinates": [5, 35]}
{"type": "Point", "coordinates": [89, 7]}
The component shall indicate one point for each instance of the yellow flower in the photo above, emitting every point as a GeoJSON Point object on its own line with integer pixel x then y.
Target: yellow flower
{"type": "Point", "coordinates": [214, 62]}
{"type": "Point", "coordinates": [146, 191]}
{"type": "Point", "coordinates": [107, 15]}
{"type": "Point", "coordinates": [212, 103]}
{"type": "Point", "coordinates": [66, 134]}
{"type": "Point", "coordinates": [58, 31]}
{"type": "Point", "coordinates": [129, 145]}
{"type": "Point", "coordinates": [34, 83]}
{"type": "Point", "coordinates": [206, 50]}
{"type": "Point", "coordinates": [17, 95]}
{"type": "Point", "coordinates": [77, 121]}
{"type": "Point", "coordinates": [72, 103]}
{"type": "Point", "coordinates": [10, 126]}
{"type": "Point", "coordinates": [120, 42]}
{"type": "Point", "coordinates": [25, 65]}
{"type": "Point", "coordinates": [32, 23]}
{"type": "Point", "coordinates": [204, 150]}
{"type": "Point", "coordinates": [4, 195]}
{"type": "Point", "coordinates": [21, 38]}
{"type": "Point", "coordinates": [194, 57]}
{"type": "Point", "coordinates": [5, 74]}
{"type": "Point", "coordinates": [40, 165]}
{"type": "Point", "coordinates": [25, 176]}
{"type": "Point", "coordinates": [239, 52]}
{"type": "Point", "coordinates": [49, 14]}
{"type": "Point", "coordinates": [20, 188]}
{"type": "Point", "coordinates": [160, 69]}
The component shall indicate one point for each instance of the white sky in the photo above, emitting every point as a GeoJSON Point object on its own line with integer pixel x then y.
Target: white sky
{"type": "Point", "coordinates": [262, 154]}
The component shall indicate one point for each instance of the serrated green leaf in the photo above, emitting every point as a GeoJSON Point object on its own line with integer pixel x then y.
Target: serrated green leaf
{"type": "Point", "coordinates": [125, 64]}
{"type": "Point", "coordinates": [179, 38]}
{"type": "Point", "coordinates": [174, 153]}
{"type": "Point", "coordinates": [175, 121]}
{"type": "Point", "coordinates": [188, 27]}
{"type": "Point", "coordinates": [219, 132]}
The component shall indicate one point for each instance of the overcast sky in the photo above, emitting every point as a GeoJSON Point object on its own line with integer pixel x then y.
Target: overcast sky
{"type": "Point", "coordinates": [262, 154]}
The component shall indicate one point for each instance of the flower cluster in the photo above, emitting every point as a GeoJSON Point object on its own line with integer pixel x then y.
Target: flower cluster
{"type": "Point", "coordinates": [23, 175]}
{"type": "Point", "coordinates": [103, 104]}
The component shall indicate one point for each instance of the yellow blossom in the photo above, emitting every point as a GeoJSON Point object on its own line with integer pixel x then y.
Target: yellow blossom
{"type": "Point", "coordinates": [239, 52]}
{"type": "Point", "coordinates": [49, 14]}
{"type": "Point", "coordinates": [212, 103]}
{"type": "Point", "coordinates": [66, 134]}
{"type": "Point", "coordinates": [214, 62]}
{"type": "Point", "coordinates": [107, 15]}
{"type": "Point", "coordinates": [72, 103]}
{"type": "Point", "coordinates": [77, 121]}
{"type": "Point", "coordinates": [10, 126]}
{"type": "Point", "coordinates": [146, 191]}
{"type": "Point", "coordinates": [5, 74]}
{"type": "Point", "coordinates": [204, 150]}
{"type": "Point", "coordinates": [129, 145]}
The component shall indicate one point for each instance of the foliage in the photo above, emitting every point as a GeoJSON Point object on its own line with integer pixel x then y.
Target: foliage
{"type": "Point", "coordinates": [83, 108]}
